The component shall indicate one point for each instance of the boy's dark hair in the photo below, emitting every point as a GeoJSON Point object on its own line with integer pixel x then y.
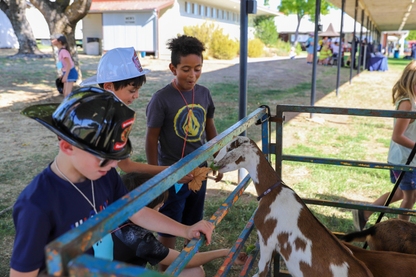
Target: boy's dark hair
{"type": "Point", "coordinates": [133, 180]}
{"type": "Point", "coordinates": [136, 82]}
{"type": "Point", "coordinates": [183, 46]}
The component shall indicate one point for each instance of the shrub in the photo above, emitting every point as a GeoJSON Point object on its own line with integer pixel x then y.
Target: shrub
{"type": "Point", "coordinates": [221, 46]}
{"type": "Point", "coordinates": [255, 48]}
{"type": "Point", "coordinates": [298, 48]}
{"type": "Point", "coordinates": [202, 32]}
{"type": "Point", "coordinates": [217, 44]}
{"type": "Point", "coordinates": [282, 48]}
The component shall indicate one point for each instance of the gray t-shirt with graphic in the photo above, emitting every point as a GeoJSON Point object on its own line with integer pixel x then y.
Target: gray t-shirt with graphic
{"type": "Point", "coordinates": [181, 116]}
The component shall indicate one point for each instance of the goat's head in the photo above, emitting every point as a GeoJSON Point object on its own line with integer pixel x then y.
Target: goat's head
{"type": "Point", "coordinates": [241, 152]}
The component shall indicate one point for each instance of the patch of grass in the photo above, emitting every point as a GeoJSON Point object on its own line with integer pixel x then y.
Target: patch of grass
{"type": "Point", "coordinates": [228, 230]}
{"type": "Point", "coordinates": [397, 64]}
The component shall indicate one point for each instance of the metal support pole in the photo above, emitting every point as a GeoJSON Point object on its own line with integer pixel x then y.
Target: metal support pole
{"type": "Point", "coordinates": [315, 48]}
{"type": "Point", "coordinates": [243, 59]}
{"type": "Point", "coordinates": [360, 54]}
{"type": "Point", "coordinates": [340, 57]}
{"type": "Point", "coordinates": [353, 48]}
{"type": "Point", "coordinates": [243, 64]}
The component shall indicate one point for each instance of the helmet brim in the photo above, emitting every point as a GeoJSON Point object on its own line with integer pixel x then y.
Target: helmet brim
{"type": "Point", "coordinates": [89, 81]}
{"type": "Point", "coordinates": [93, 80]}
{"type": "Point", "coordinates": [42, 113]}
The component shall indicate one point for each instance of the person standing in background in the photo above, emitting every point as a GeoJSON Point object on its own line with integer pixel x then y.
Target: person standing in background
{"type": "Point", "coordinates": [65, 63]}
{"type": "Point", "coordinates": [309, 49]}
{"type": "Point", "coordinates": [401, 145]}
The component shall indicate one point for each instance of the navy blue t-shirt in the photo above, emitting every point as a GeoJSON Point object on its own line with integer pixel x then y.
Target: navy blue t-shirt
{"type": "Point", "coordinates": [50, 206]}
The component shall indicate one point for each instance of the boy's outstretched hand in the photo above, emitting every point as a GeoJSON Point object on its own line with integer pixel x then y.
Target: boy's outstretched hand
{"type": "Point", "coordinates": [241, 259]}
{"type": "Point", "coordinates": [218, 176]}
{"type": "Point", "coordinates": [203, 226]}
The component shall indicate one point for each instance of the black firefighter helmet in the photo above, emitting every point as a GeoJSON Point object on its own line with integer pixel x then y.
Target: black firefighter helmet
{"type": "Point", "coordinates": [90, 118]}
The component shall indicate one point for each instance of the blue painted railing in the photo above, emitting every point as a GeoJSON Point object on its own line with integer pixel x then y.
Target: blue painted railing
{"type": "Point", "coordinates": [65, 254]}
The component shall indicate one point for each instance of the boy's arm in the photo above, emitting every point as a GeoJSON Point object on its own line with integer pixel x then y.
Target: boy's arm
{"type": "Point", "coordinates": [127, 165]}
{"type": "Point", "coordinates": [211, 132]}
{"type": "Point", "coordinates": [198, 259]}
{"type": "Point", "coordinates": [14, 273]}
{"type": "Point", "coordinates": [152, 138]}
{"type": "Point", "coordinates": [157, 222]}
{"type": "Point", "coordinates": [210, 129]}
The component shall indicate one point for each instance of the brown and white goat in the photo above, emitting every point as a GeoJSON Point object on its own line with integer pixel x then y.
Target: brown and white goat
{"type": "Point", "coordinates": [284, 223]}
{"type": "Point", "coordinates": [385, 263]}
{"type": "Point", "coordinates": [390, 235]}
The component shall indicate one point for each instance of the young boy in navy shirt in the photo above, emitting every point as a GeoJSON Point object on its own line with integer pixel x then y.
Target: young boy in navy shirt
{"type": "Point", "coordinates": [92, 126]}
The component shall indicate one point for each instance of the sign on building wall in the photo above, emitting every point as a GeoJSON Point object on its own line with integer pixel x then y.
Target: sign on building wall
{"type": "Point", "coordinates": [129, 20]}
{"type": "Point", "coordinates": [129, 30]}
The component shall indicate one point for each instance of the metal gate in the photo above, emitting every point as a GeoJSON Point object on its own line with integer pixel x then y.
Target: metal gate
{"type": "Point", "coordinates": [65, 255]}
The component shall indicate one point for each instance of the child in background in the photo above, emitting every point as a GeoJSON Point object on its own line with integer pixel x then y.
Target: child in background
{"type": "Point", "coordinates": [325, 54]}
{"type": "Point", "coordinates": [120, 72]}
{"type": "Point", "coordinates": [180, 119]}
{"type": "Point", "coordinates": [402, 142]}
{"type": "Point", "coordinates": [309, 48]}
{"type": "Point", "coordinates": [138, 246]}
{"type": "Point", "coordinates": [82, 180]}
{"type": "Point", "coordinates": [65, 63]}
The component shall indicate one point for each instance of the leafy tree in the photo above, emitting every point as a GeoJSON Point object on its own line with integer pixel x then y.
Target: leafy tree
{"type": "Point", "coordinates": [302, 8]}
{"type": "Point", "coordinates": [62, 18]}
{"type": "Point", "coordinates": [15, 12]}
{"type": "Point", "coordinates": [412, 35]}
{"type": "Point", "coordinates": [265, 29]}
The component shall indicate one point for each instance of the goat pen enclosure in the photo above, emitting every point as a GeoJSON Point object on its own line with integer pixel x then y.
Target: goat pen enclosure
{"type": "Point", "coordinates": [65, 255]}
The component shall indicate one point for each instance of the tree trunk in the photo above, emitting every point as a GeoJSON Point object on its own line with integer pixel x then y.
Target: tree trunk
{"type": "Point", "coordinates": [16, 12]}
{"type": "Point", "coordinates": [297, 29]}
{"type": "Point", "coordinates": [62, 18]}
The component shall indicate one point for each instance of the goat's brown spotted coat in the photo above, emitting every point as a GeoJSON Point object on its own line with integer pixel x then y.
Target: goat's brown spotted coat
{"type": "Point", "coordinates": [284, 223]}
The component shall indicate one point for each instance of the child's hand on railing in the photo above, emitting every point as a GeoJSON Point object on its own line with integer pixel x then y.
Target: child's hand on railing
{"type": "Point", "coordinates": [202, 226]}
{"type": "Point", "coordinates": [241, 259]}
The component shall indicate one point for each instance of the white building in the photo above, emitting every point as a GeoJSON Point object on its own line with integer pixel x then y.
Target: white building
{"type": "Point", "coordinates": [148, 25]}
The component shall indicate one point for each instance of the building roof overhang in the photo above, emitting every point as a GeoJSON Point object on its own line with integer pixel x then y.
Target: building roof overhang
{"type": "Point", "coordinates": [385, 15]}
{"type": "Point", "coordinates": [99, 6]}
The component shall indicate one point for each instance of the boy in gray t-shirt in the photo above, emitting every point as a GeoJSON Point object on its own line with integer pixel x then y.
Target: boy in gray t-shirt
{"type": "Point", "coordinates": [180, 119]}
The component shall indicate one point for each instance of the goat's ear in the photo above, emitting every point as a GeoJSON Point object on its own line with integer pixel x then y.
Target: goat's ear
{"type": "Point", "coordinates": [234, 144]}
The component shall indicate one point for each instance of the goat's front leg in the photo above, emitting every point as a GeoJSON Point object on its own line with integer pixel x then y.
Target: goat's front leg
{"type": "Point", "coordinates": [266, 252]}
